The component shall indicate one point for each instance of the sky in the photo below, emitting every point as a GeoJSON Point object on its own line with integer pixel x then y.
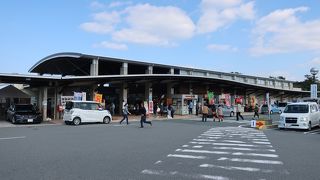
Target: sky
{"type": "Point", "coordinates": [252, 37]}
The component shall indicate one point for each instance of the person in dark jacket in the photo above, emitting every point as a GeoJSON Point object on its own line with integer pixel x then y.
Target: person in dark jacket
{"type": "Point", "coordinates": [143, 116]}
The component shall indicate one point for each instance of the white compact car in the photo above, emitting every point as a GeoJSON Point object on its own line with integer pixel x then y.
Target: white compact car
{"type": "Point", "coordinates": [77, 112]}
{"type": "Point", "coordinates": [303, 115]}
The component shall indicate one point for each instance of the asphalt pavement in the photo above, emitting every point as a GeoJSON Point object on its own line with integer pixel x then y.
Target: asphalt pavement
{"type": "Point", "coordinates": [169, 149]}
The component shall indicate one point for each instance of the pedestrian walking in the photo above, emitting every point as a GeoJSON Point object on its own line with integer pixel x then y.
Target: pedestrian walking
{"type": "Point", "coordinates": [143, 119]}
{"type": "Point", "coordinates": [205, 111]}
{"type": "Point", "coordinates": [256, 111]}
{"type": "Point", "coordinates": [125, 113]}
{"type": "Point", "coordinates": [190, 107]}
{"type": "Point", "coordinates": [112, 108]}
{"type": "Point", "coordinates": [214, 112]}
{"type": "Point", "coordinates": [171, 110]}
{"type": "Point", "coordinates": [239, 111]}
{"type": "Point", "coordinates": [197, 109]}
{"type": "Point", "coordinates": [155, 108]}
{"type": "Point", "coordinates": [220, 113]}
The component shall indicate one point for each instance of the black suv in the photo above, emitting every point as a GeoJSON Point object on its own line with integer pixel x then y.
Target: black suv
{"type": "Point", "coordinates": [23, 113]}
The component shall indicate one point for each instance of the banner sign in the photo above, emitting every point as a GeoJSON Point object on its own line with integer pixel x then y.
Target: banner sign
{"type": "Point", "coordinates": [314, 91]}
{"type": "Point", "coordinates": [98, 98]}
{"type": "Point", "coordinates": [210, 97]}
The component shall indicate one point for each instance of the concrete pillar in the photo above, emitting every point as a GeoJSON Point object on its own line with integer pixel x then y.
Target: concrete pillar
{"type": "Point", "coordinates": [44, 103]}
{"type": "Point", "coordinates": [148, 91]}
{"type": "Point", "coordinates": [94, 67]}
{"type": "Point", "coordinates": [124, 69]}
{"type": "Point", "coordinates": [123, 95]}
{"type": "Point", "coordinates": [170, 90]}
{"type": "Point", "coordinates": [190, 89]}
{"type": "Point", "coordinates": [149, 70]}
{"type": "Point", "coordinates": [171, 71]}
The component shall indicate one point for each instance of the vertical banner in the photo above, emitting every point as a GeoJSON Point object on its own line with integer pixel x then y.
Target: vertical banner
{"type": "Point", "coordinates": [77, 96]}
{"type": "Point", "coordinates": [98, 98]}
{"type": "Point", "coordinates": [210, 97]}
{"type": "Point", "coordinates": [268, 102]}
{"type": "Point", "coordinates": [150, 107]}
{"type": "Point", "coordinates": [228, 100]}
{"type": "Point", "coordinates": [84, 96]}
{"type": "Point", "coordinates": [314, 91]}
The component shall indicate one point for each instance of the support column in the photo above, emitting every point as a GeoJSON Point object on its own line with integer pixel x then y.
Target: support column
{"type": "Point", "coordinates": [170, 90]}
{"type": "Point", "coordinates": [148, 92]}
{"type": "Point", "coordinates": [94, 67]}
{"type": "Point", "coordinates": [44, 103]}
{"type": "Point", "coordinates": [190, 89]}
{"type": "Point", "coordinates": [124, 69]}
{"type": "Point", "coordinates": [123, 95]}
{"type": "Point", "coordinates": [171, 71]}
{"type": "Point", "coordinates": [149, 70]}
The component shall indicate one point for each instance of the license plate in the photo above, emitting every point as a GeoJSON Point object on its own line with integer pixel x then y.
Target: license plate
{"type": "Point", "coordinates": [30, 120]}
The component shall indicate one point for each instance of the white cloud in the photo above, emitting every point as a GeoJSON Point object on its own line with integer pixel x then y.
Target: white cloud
{"type": "Point", "coordinates": [97, 5]}
{"type": "Point", "coordinates": [217, 14]}
{"type": "Point", "coordinates": [119, 3]}
{"type": "Point", "coordinates": [315, 61]}
{"type": "Point", "coordinates": [103, 22]}
{"type": "Point", "coordinates": [155, 25]}
{"type": "Point", "coordinates": [111, 45]}
{"type": "Point", "coordinates": [281, 32]}
{"type": "Point", "coordinates": [221, 47]}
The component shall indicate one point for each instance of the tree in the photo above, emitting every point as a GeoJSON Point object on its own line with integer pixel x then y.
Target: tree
{"type": "Point", "coordinates": [305, 85]}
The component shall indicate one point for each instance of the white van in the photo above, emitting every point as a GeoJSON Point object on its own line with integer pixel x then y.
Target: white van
{"type": "Point", "coordinates": [77, 112]}
{"type": "Point", "coordinates": [302, 115]}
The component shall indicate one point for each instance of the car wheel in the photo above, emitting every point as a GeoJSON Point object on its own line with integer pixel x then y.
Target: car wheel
{"type": "Point", "coordinates": [106, 120]}
{"type": "Point", "coordinates": [13, 120]}
{"type": "Point", "coordinates": [231, 114]}
{"type": "Point", "coordinates": [76, 121]}
{"type": "Point", "coordinates": [309, 126]}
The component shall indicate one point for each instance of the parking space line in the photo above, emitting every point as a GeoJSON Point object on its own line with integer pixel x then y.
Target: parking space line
{"type": "Point", "coordinates": [8, 138]}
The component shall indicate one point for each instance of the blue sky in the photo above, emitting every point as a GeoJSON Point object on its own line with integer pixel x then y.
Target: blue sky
{"type": "Point", "coordinates": [264, 38]}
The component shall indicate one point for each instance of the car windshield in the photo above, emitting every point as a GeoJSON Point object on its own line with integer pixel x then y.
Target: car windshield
{"type": "Point", "coordinates": [301, 108]}
{"type": "Point", "coordinates": [22, 108]}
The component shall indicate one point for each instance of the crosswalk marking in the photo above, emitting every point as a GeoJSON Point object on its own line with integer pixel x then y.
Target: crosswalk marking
{"type": "Point", "coordinates": [186, 156]}
{"type": "Point", "coordinates": [259, 161]}
{"type": "Point", "coordinates": [223, 149]}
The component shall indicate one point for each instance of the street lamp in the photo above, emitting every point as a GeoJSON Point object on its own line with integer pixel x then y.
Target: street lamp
{"type": "Point", "coordinates": [314, 71]}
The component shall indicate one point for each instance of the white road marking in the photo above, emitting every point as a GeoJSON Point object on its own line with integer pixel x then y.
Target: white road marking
{"type": "Point", "coordinates": [250, 169]}
{"type": "Point", "coordinates": [197, 146]}
{"type": "Point", "coordinates": [158, 162]}
{"type": "Point", "coordinates": [255, 154]}
{"type": "Point", "coordinates": [176, 173]}
{"type": "Point", "coordinates": [258, 142]}
{"type": "Point", "coordinates": [8, 138]}
{"type": "Point", "coordinates": [209, 140]}
{"type": "Point", "coordinates": [185, 146]}
{"type": "Point", "coordinates": [232, 141]}
{"type": "Point", "coordinates": [250, 160]}
{"type": "Point", "coordinates": [186, 156]}
{"type": "Point", "coordinates": [229, 144]}
{"type": "Point", "coordinates": [201, 151]}
{"type": "Point", "coordinates": [243, 149]}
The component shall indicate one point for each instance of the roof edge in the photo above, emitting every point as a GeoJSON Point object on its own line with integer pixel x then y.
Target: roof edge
{"type": "Point", "coordinates": [56, 55]}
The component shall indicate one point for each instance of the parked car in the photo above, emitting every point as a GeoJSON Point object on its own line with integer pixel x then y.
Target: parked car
{"type": "Point", "coordinates": [77, 112]}
{"type": "Point", "coordinates": [23, 113]}
{"type": "Point", "coordinates": [282, 105]}
{"type": "Point", "coordinates": [227, 110]}
{"type": "Point", "coordinates": [303, 115]}
{"type": "Point", "coordinates": [273, 109]}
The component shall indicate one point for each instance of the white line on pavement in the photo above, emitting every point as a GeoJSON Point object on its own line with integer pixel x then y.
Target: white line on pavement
{"type": "Point", "coordinates": [250, 160]}
{"type": "Point", "coordinates": [250, 169]}
{"type": "Point", "coordinates": [8, 138]}
{"type": "Point", "coordinates": [201, 151]}
{"type": "Point", "coordinates": [255, 154]}
{"type": "Point", "coordinates": [243, 149]}
{"type": "Point", "coordinates": [186, 156]}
